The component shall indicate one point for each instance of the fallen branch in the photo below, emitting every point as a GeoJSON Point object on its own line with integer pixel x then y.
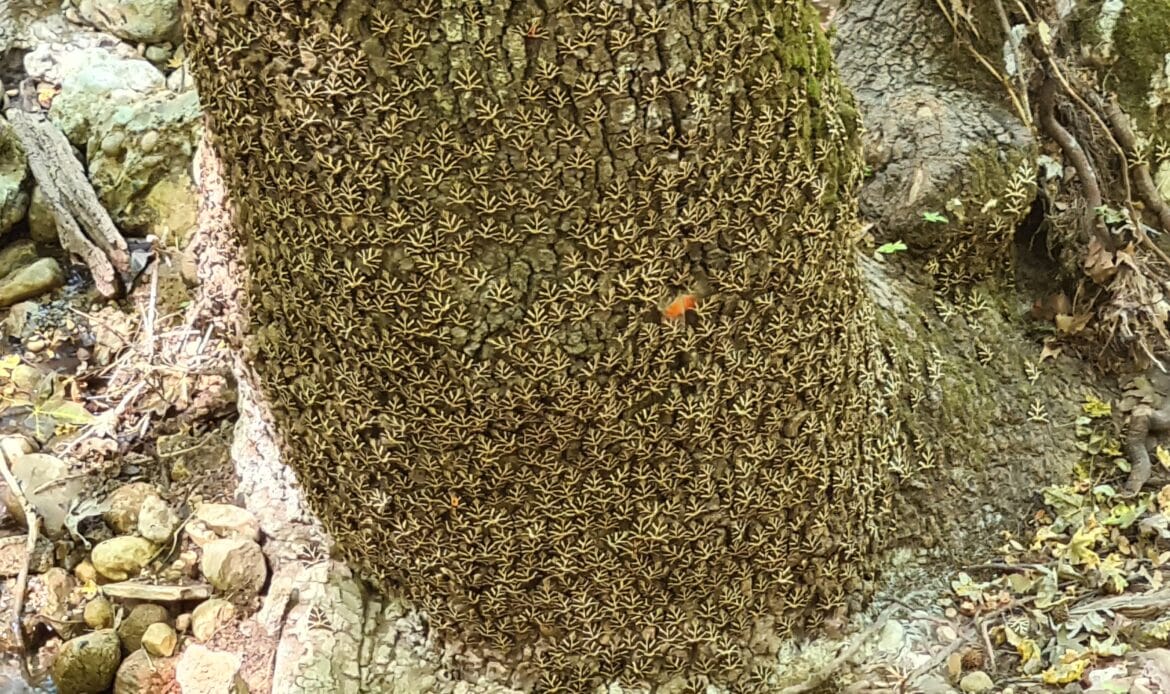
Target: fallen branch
{"type": "Point", "coordinates": [18, 592]}
{"type": "Point", "coordinates": [83, 225]}
{"type": "Point", "coordinates": [826, 672]}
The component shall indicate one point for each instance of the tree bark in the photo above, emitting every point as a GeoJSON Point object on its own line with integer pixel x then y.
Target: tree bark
{"type": "Point", "coordinates": [468, 227]}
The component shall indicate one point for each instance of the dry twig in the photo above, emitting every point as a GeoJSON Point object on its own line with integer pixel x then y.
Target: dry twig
{"type": "Point", "coordinates": [18, 592]}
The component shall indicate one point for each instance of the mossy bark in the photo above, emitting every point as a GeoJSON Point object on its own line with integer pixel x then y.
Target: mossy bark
{"type": "Point", "coordinates": [466, 224]}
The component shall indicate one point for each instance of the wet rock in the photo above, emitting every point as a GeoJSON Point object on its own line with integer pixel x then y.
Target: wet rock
{"type": "Point", "coordinates": [17, 255]}
{"type": "Point", "coordinates": [234, 565]}
{"type": "Point", "coordinates": [156, 520]}
{"type": "Point", "coordinates": [976, 682]}
{"type": "Point", "coordinates": [140, 673]}
{"type": "Point", "coordinates": [133, 590]}
{"type": "Point", "coordinates": [121, 557]}
{"type": "Point", "coordinates": [203, 671]}
{"type": "Point", "coordinates": [145, 21]}
{"type": "Point", "coordinates": [50, 475]}
{"type": "Point", "coordinates": [99, 613]}
{"type": "Point", "coordinates": [41, 277]}
{"type": "Point", "coordinates": [137, 622]}
{"type": "Point", "coordinates": [228, 521]}
{"type": "Point", "coordinates": [209, 616]}
{"type": "Point", "coordinates": [87, 664]}
{"type": "Point", "coordinates": [124, 505]}
{"type": "Point", "coordinates": [14, 178]}
{"type": "Point", "coordinates": [160, 639]}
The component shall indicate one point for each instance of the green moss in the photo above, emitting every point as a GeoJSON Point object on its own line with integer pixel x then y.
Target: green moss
{"type": "Point", "coordinates": [1132, 50]}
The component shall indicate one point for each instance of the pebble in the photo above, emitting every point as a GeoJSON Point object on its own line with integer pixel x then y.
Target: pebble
{"type": "Point", "coordinates": [87, 664]}
{"type": "Point", "coordinates": [121, 557]}
{"type": "Point", "coordinates": [201, 670]}
{"type": "Point", "coordinates": [226, 520]}
{"type": "Point", "coordinates": [41, 277]}
{"type": "Point", "coordinates": [141, 673]}
{"type": "Point", "coordinates": [209, 616]}
{"type": "Point", "coordinates": [156, 520]}
{"type": "Point", "coordinates": [35, 345]}
{"type": "Point", "coordinates": [976, 682]}
{"type": "Point", "coordinates": [124, 504]}
{"type": "Point", "coordinates": [234, 565]}
{"type": "Point", "coordinates": [137, 622]}
{"type": "Point", "coordinates": [160, 639]}
{"type": "Point", "coordinates": [99, 613]}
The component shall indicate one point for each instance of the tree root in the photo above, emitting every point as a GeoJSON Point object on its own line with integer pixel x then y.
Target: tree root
{"type": "Point", "coordinates": [1137, 444]}
{"type": "Point", "coordinates": [18, 592]}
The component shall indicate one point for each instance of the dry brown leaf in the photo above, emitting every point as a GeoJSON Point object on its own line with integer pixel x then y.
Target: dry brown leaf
{"type": "Point", "coordinates": [1071, 325]}
{"type": "Point", "coordinates": [1051, 350]}
{"type": "Point", "coordinates": [1099, 263]}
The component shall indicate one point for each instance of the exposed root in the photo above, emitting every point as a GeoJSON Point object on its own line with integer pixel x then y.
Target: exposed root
{"type": "Point", "coordinates": [18, 592]}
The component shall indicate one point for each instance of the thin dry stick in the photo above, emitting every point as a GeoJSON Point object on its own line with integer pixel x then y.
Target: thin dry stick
{"type": "Point", "coordinates": [33, 521]}
{"type": "Point", "coordinates": [151, 312]}
{"type": "Point", "coordinates": [855, 645]}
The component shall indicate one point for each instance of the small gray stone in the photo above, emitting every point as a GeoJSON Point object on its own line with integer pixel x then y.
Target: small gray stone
{"type": "Point", "coordinates": [156, 520]}
{"type": "Point", "coordinates": [87, 664]}
{"type": "Point", "coordinates": [234, 565]}
{"type": "Point", "coordinates": [41, 277]}
{"type": "Point", "coordinates": [121, 557]}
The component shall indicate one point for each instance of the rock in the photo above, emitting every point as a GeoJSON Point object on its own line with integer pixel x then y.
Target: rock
{"type": "Point", "coordinates": [15, 445]}
{"type": "Point", "coordinates": [121, 557]}
{"type": "Point", "coordinates": [142, 674]}
{"type": "Point", "coordinates": [180, 79]}
{"type": "Point", "coordinates": [13, 553]}
{"type": "Point", "coordinates": [137, 622]}
{"type": "Point", "coordinates": [160, 639]}
{"type": "Point", "coordinates": [133, 590]}
{"type": "Point", "coordinates": [150, 191]}
{"type": "Point", "coordinates": [183, 623]}
{"type": "Point", "coordinates": [228, 521]}
{"type": "Point", "coordinates": [96, 78]}
{"type": "Point", "coordinates": [234, 565]}
{"type": "Point", "coordinates": [58, 586]}
{"type": "Point", "coordinates": [124, 504]}
{"type": "Point", "coordinates": [17, 255]}
{"type": "Point", "coordinates": [16, 321]}
{"type": "Point", "coordinates": [976, 682]}
{"type": "Point", "coordinates": [137, 21]}
{"type": "Point", "coordinates": [41, 277]}
{"type": "Point", "coordinates": [14, 178]}
{"type": "Point", "coordinates": [203, 671]}
{"type": "Point", "coordinates": [156, 520]}
{"type": "Point", "coordinates": [99, 613]}
{"type": "Point", "coordinates": [42, 227]}
{"type": "Point", "coordinates": [87, 664]}
{"type": "Point", "coordinates": [209, 616]}
{"type": "Point", "coordinates": [34, 471]}
{"type": "Point", "coordinates": [85, 572]}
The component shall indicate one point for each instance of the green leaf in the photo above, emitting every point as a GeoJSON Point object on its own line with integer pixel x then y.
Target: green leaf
{"type": "Point", "coordinates": [934, 217]}
{"type": "Point", "coordinates": [888, 248]}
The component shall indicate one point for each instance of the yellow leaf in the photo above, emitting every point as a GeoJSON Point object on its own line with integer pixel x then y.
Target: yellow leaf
{"type": "Point", "coordinates": [175, 62]}
{"type": "Point", "coordinates": [1080, 547]}
{"type": "Point", "coordinates": [1163, 456]}
{"type": "Point", "coordinates": [1113, 571]}
{"type": "Point", "coordinates": [1095, 407]}
{"type": "Point", "coordinates": [1065, 672]}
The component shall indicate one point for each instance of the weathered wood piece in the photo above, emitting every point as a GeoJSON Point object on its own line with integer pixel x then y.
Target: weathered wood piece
{"type": "Point", "coordinates": [83, 225]}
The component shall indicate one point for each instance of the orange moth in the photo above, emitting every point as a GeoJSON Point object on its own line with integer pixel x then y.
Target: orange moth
{"type": "Point", "coordinates": [679, 307]}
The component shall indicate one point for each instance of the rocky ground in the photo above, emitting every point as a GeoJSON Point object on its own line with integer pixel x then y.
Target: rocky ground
{"type": "Point", "coordinates": [171, 552]}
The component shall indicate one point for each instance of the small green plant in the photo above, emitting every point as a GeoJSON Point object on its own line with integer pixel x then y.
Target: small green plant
{"type": "Point", "coordinates": [934, 217]}
{"type": "Point", "coordinates": [888, 248]}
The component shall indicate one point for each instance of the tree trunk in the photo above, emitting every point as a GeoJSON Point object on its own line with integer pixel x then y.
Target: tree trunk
{"type": "Point", "coordinates": [560, 314]}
